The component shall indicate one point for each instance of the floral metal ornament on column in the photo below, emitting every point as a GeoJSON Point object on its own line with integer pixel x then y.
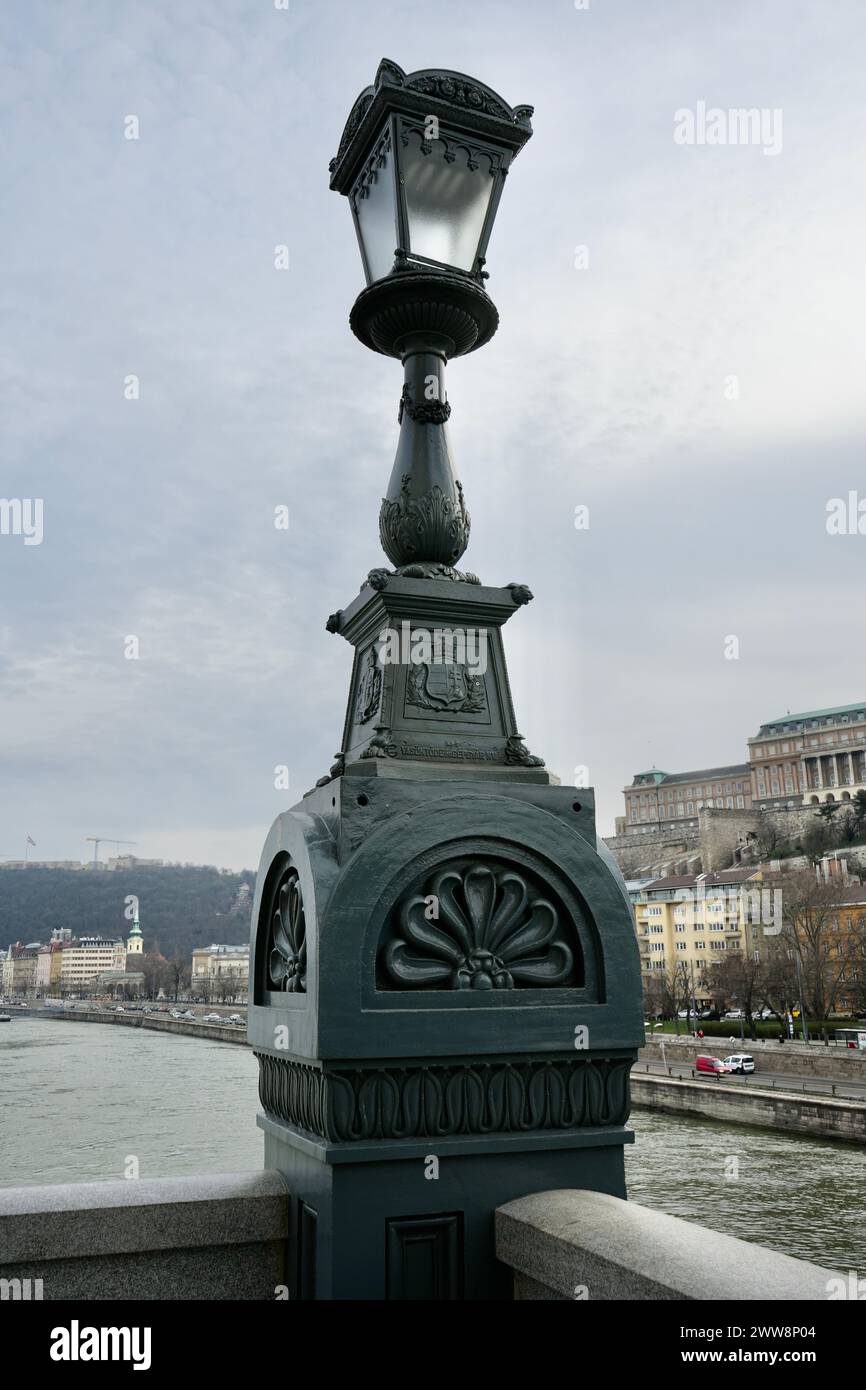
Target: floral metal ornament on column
{"type": "Point", "coordinates": [478, 927]}
{"type": "Point", "coordinates": [287, 948]}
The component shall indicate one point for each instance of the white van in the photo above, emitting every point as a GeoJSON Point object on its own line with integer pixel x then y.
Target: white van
{"type": "Point", "coordinates": [740, 1062]}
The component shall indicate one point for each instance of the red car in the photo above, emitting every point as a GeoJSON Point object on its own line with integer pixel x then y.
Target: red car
{"type": "Point", "coordinates": [714, 1065]}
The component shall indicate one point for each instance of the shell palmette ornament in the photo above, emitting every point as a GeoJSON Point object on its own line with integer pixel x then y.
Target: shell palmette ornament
{"type": "Point", "coordinates": [287, 945]}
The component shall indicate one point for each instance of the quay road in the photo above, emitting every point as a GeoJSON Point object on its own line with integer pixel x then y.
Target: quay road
{"type": "Point", "coordinates": [132, 1017]}
{"type": "Point", "coordinates": [842, 1089]}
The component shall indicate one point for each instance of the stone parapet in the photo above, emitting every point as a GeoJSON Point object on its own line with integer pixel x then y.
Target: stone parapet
{"type": "Point", "coordinates": [569, 1245]}
{"type": "Point", "coordinates": [208, 1237]}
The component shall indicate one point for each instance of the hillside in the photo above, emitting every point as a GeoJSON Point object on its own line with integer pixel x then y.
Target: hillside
{"type": "Point", "coordinates": [180, 906]}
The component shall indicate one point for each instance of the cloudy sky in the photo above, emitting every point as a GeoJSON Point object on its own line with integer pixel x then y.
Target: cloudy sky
{"type": "Point", "coordinates": [698, 386]}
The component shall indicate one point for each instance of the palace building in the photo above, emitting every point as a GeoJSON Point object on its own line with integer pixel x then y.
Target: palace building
{"type": "Point", "coordinates": [804, 759]}
{"type": "Point", "coordinates": [662, 801]}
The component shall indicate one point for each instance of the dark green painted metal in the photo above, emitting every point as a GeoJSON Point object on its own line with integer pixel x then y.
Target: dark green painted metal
{"type": "Point", "coordinates": [357, 1201]}
{"type": "Point", "coordinates": [445, 981]}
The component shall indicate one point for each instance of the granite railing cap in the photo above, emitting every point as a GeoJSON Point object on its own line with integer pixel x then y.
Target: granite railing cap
{"type": "Point", "coordinates": [582, 1244]}
{"type": "Point", "coordinates": [76, 1220]}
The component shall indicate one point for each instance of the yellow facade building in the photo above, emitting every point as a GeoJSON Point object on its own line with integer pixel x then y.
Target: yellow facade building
{"type": "Point", "coordinates": [691, 921]}
{"type": "Point", "coordinates": [844, 952]}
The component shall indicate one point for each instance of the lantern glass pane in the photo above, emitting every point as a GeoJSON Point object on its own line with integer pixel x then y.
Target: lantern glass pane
{"type": "Point", "coordinates": [448, 192]}
{"type": "Point", "coordinates": [375, 205]}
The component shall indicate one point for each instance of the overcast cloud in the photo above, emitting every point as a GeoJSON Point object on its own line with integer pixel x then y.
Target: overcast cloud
{"type": "Point", "coordinates": [605, 387]}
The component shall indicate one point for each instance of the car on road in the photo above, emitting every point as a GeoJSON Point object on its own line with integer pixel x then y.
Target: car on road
{"type": "Point", "coordinates": [734, 1013]}
{"type": "Point", "coordinates": [714, 1065]}
{"type": "Point", "coordinates": [174, 1013]}
{"type": "Point", "coordinates": [211, 1018]}
{"type": "Point", "coordinates": [740, 1062]}
{"type": "Point", "coordinates": [236, 1019]}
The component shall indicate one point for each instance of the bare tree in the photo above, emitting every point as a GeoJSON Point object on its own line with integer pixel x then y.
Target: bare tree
{"type": "Point", "coordinates": [653, 996]}
{"type": "Point", "coordinates": [814, 840]}
{"type": "Point", "coordinates": [675, 988]}
{"type": "Point", "coordinates": [811, 931]}
{"type": "Point", "coordinates": [178, 974]}
{"type": "Point", "coordinates": [154, 968]}
{"type": "Point", "coordinates": [738, 978]}
{"type": "Point", "coordinates": [767, 838]}
{"type": "Point", "coordinates": [777, 983]}
{"type": "Point", "coordinates": [225, 986]}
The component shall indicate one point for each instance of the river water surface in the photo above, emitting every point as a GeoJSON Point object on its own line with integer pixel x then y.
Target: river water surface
{"type": "Point", "coordinates": [78, 1101]}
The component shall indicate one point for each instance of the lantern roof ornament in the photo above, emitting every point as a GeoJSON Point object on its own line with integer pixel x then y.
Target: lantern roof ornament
{"type": "Point", "coordinates": [456, 99]}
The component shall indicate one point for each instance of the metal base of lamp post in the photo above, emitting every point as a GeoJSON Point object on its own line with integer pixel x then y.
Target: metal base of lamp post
{"type": "Point", "coordinates": [413, 1220]}
{"type": "Point", "coordinates": [444, 1014]}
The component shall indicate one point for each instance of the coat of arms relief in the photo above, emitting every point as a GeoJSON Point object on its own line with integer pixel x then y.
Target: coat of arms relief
{"type": "Point", "coordinates": [446, 685]}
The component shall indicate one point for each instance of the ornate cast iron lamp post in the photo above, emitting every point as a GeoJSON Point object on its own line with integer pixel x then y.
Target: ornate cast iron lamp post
{"type": "Point", "coordinates": [445, 989]}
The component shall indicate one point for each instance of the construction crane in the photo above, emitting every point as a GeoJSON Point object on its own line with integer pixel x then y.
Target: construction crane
{"type": "Point", "coordinates": [109, 840]}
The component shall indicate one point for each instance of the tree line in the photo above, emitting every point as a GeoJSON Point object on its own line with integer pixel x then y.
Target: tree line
{"type": "Point", "coordinates": [180, 906]}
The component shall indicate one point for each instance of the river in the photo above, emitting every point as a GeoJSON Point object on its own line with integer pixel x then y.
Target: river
{"type": "Point", "coordinates": [79, 1101]}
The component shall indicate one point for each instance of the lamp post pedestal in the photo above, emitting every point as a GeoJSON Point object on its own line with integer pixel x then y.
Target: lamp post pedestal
{"type": "Point", "coordinates": [430, 682]}
{"type": "Point", "coordinates": [463, 1027]}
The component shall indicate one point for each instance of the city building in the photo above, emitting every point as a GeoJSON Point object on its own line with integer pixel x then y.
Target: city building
{"type": "Point", "coordinates": [848, 953]}
{"type": "Point", "coordinates": [132, 861]}
{"type": "Point", "coordinates": [48, 962]}
{"type": "Point", "coordinates": [220, 973]}
{"type": "Point", "coordinates": [41, 864]}
{"type": "Point", "coordinates": [692, 920]}
{"type": "Point", "coordinates": [85, 960]}
{"type": "Point", "coordinates": [19, 968]}
{"type": "Point", "coordinates": [120, 984]}
{"type": "Point", "coordinates": [665, 801]}
{"type": "Point", "coordinates": [804, 759]}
